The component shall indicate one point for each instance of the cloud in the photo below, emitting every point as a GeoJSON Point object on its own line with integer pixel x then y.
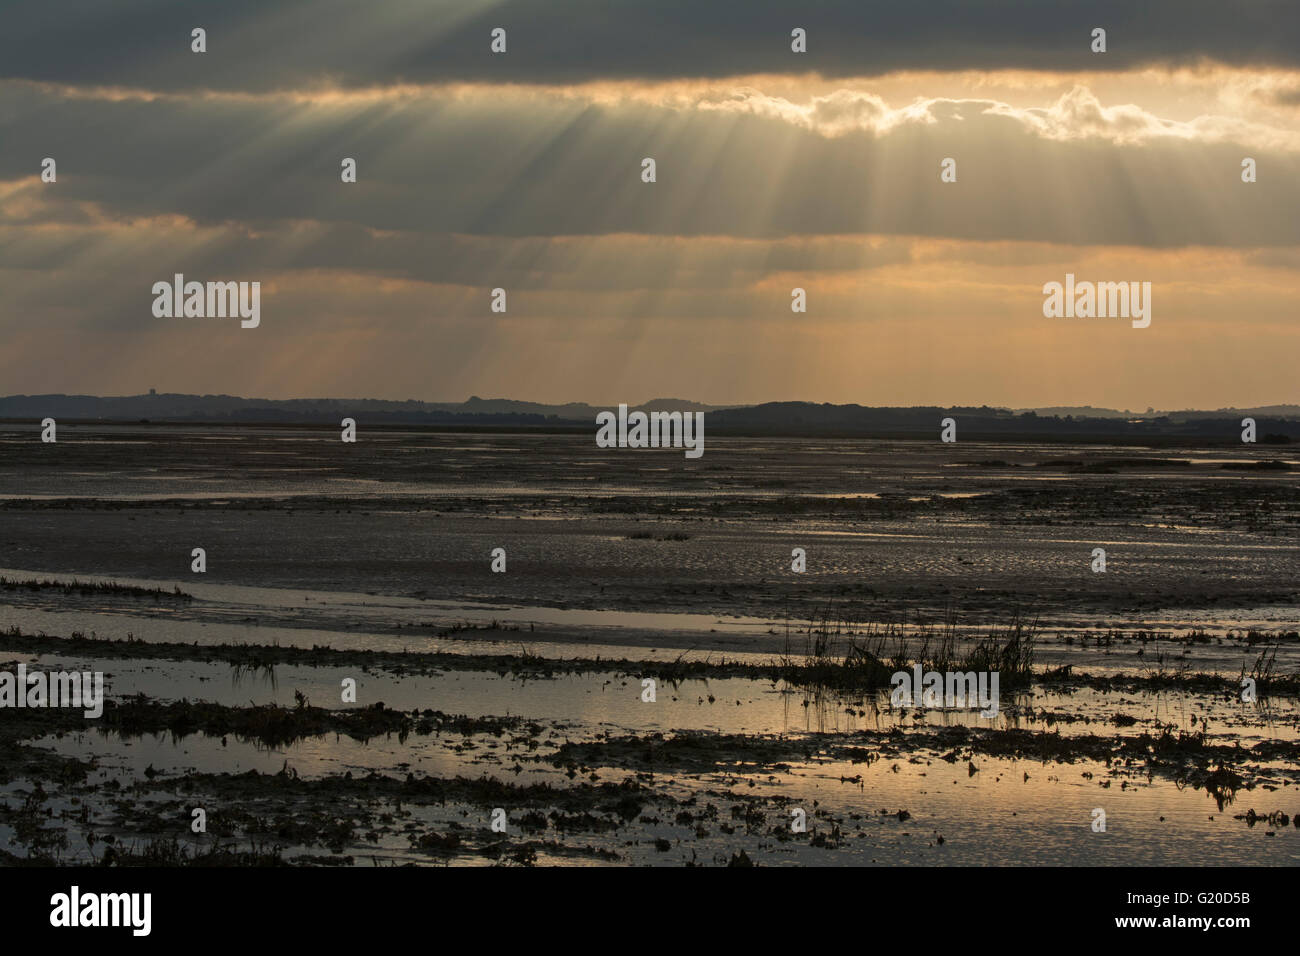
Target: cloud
{"type": "Point", "coordinates": [1077, 114]}
{"type": "Point", "coordinates": [523, 171]}
{"type": "Point", "coordinates": [954, 322]}
{"type": "Point", "coordinates": [1289, 96]}
{"type": "Point", "coordinates": [483, 161]}
{"type": "Point", "coordinates": [617, 264]}
{"type": "Point", "coordinates": [287, 44]}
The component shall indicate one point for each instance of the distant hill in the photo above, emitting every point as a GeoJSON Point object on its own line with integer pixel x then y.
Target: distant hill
{"type": "Point", "coordinates": [573, 411]}
{"type": "Point", "coordinates": [1263, 411]}
{"type": "Point", "coordinates": [1088, 411]}
{"type": "Point", "coordinates": [1278, 423]}
{"type": "Point", "coordinates": [800, 418]}
{"type": "Point", "coordinates": [1082, 411]}
{"type": "Point", "coordinates": [225, 408]}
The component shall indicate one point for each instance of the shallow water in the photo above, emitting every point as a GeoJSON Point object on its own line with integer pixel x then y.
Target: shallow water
{"type": "Point", "coordinates": [386, 546]}
{"type": "Point", "coordinates": [1010, 812]}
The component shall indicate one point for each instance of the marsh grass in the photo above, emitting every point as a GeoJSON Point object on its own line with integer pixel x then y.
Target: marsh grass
{"type": "Point", "coordinates": [1267, 676]}
{"type": "Point", "coordinates": [169, 851]}
{"type": "Point", "coordinates": [841, 652]}
{"type": "Point", "coordinates": [96, 588]}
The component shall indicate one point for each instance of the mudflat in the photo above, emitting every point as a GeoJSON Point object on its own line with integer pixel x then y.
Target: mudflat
{"type": "Point", "coordinates": [524, 690]}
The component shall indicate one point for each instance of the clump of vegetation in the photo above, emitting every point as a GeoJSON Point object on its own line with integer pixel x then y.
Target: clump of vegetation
{"type": "Point", "coordinates": [269, 725]}
{"type": "Point", "coordinates": [1266, 675]}
{"type": "Point", "coordinates": [469, 626]}
{"type": "Point", "coordinates": [1271, 464]}
{"type": "Point", "coordinates": [95, 588]}
{"type": "Point", "coordinates": [44, 844]}
{"type": "Point", "coordinates": [841, 653]}
{"type": "Point", "coordinates": [171, 852]}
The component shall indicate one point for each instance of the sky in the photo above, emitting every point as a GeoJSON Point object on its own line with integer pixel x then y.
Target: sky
{"type": "Point", "coordinates": [774, 170]}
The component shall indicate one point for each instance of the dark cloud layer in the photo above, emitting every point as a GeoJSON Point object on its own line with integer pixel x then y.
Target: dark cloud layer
{"type": "Point", "coordinates": [256, 45]}
{"type": "Point", "coordinates": [553, 166]}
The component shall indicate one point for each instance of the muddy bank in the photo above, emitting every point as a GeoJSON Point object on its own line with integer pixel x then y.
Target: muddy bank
{"type": "Point", "coordinates": [839, 665]}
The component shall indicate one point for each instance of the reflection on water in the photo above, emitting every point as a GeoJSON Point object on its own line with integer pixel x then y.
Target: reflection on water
{"type": "Point", "coordinates": [628, 559]}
